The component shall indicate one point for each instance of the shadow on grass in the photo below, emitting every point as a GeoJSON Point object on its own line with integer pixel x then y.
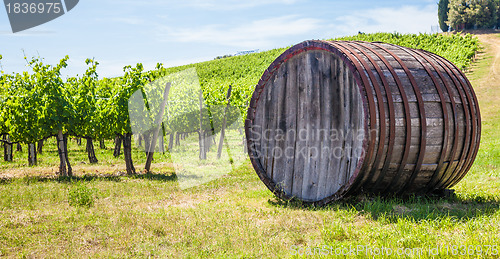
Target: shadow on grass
{"type": "Point", "coordinates": [161, 177]}
{"type": "Point", "coordinates": [415, 208]}
{"type": "Point", "coordinates": [167, 177]}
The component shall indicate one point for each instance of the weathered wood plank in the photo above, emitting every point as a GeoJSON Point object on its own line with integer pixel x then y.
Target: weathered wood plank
{"type": "Point", "coordinates": [291, 115]}
{"type": "Point", "coordinates": [310, 185]}
{"type": "Point", "coordinates": [279, 128]}
{"type": "Point", "coordinates": [343, 123]}
{"type": "Point", "coordinates": [301, 167]}
{"type": "Point", "coordinates": [357, 128]}
{"type": "Point", "coordinates": [325, 83]}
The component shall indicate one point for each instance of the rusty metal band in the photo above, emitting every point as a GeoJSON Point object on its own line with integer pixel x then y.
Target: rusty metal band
{"type": "Point", "coordinates": [477, 115]}
{"type": "Point", "coordinates": [371, 103]}
{"type": "Point", "coordinates": [472, 142]}
{"type": "Point", "coordinates": [448, 172]}
{"type": "Point", "coordinates": [437, 176]}
{"type": "Point", "coordinates": [381, 108]}
{"type": "Point", "coordinates": [406, 107]}
{"type": "Point", "coordinates": [423, 120]}
{"type": "Point", "coordinates": [478, 134]}
{"type": "Point", "coordinates": [369, 110]}
{"type": "Point", "coordinates": [392, 121]}
{"type": "Point", "coordinates": [471, 150]}
{"type": "Point", "coordinates": [425, 65]}
{"type": "Point", "coordinates": [467, 114]}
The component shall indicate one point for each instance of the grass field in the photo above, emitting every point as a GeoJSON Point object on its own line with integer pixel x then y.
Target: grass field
{"type": "Point", "coordinates": [103, 213]}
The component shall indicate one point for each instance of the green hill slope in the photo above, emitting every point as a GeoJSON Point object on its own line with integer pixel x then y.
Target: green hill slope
{"type": "Point", "coordinates": [244, 72]}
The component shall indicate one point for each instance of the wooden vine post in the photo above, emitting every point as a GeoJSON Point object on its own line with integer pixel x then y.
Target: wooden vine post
{"type": "Point", "coordinates": [7, 148]}
{"type": "Point", "coordinates": [223, 127]}
{"type": "Point", "coordinates": [203, 151]}
{"type": "Point", "coordinates": [157, 128]}
{"type": "Point", "coordinates": [62, 148]}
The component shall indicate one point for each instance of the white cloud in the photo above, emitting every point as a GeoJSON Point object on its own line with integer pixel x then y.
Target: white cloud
{"type": "Point", "coordinates": [406, 19]}
{"type": "Point", "coordinates": [129, 20]}
{"type": "Point", "coordinates": [272, 32]}
{"type": "Point", "coordinates": [28, 33]}
{"type": "Point", "coordinates": [123, 20]}
{"type": "Point", "coordinates": [234, 4]}
{"type": "Point", "coordinates": [257, 34]}
{"type": "Point", "coordinates": [223, 5]}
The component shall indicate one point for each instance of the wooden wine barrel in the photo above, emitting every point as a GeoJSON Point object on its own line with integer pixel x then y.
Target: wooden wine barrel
{"type": "Point", "coordinates": [330, 119]}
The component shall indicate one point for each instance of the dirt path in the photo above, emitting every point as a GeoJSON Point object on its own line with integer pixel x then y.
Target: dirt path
{"type": "Point", "coordinates": [494, 41]}
{"type": "Point", "coordinates": [486, 80]}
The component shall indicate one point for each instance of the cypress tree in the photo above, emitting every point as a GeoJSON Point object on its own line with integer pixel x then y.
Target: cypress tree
{"type": "Point", "coordinates": [443, 14]}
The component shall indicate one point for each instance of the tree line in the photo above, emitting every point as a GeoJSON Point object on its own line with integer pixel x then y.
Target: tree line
{"type": "Point", "coordinates": [460, 15]}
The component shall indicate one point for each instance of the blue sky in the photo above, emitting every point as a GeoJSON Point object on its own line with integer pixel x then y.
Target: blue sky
{"type": "Point", "coordinates": [124, 32]}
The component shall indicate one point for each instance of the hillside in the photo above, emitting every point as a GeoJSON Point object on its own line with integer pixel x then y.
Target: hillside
{"type": "Point", "coordinates": [243, 72]}
{"type": "Point", "coordinates": [102, 213]}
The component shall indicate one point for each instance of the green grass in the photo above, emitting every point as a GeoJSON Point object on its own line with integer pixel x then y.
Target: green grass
{"type": "Point", "coordinates": [149, 215]}
{"type": "Point", "coordinates": [233, 216]}
{"type": "Point", "coordinates": [81, 195]}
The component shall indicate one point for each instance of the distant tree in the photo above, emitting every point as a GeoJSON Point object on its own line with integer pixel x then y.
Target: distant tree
{"type": "Point", "coordinates": [467, 14]}
{"type": "Point", "coordinates": [225, 56]}
{"type": "Point", "coordinates": [482, 13]}
{"type": "Point", "coordinates": [443, 14]}
{"type": "Point", "coordinates": [497, 12]}
{"type": "Point", "coordinates": [457, 14]}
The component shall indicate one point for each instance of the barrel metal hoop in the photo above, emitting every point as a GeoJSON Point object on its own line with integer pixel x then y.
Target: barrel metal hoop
{"type": "Point", "coordinates": [423, 120]}
{"type": "Point", "coordinates": [444, 148]}
{"type": "Point", "coordinates": [468, 113]}
{"type": "Point", "coordinates": [476, 117]}
{"type": "Point", "coordinates": [471, 149]}
{"type": "Point", "coordinates": [478, 133]}
{"type": "Point", "coordinates": [459, 86]}
{"type": "Point", "coordinates": [392, 122]}
{"type": "Point", "coordinates": [371, 103]}
{"type": "Point", "coordinates": [406, 107]}
{"type": "Point", "coordinates": [434, 182]}
{"type": "Point", "coordinates": [448, 172]}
